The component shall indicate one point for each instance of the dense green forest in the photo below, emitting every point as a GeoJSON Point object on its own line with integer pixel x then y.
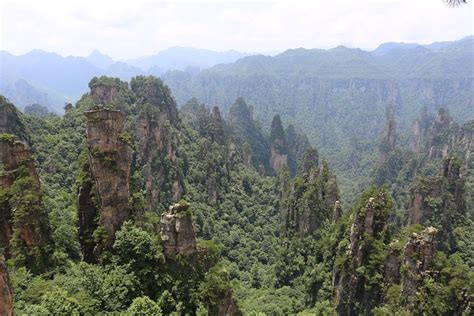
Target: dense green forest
{"type": "Point", "coordinates": [338, 96]}
{"type": "Point", "coordinates": [128, 205]}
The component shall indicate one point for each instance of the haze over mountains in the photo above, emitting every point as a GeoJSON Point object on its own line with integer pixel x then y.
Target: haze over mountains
{"type": "Point", "coordinates": [51, 80]}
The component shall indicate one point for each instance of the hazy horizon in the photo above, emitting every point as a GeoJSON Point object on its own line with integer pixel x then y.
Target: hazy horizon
{"type": "Point", "coordinates": [269, 53]}
{"type": "Point", "coordinates": [124, 30]}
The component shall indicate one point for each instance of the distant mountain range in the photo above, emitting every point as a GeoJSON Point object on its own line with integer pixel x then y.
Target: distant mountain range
{"type": "Point", "coordinates": [50, 79]}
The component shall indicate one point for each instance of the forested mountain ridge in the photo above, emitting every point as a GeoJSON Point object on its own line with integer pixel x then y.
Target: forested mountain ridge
{"type": "Point", "coordinates": [139, 207]}
{"type": "Point", "coordinates": [338, 97]}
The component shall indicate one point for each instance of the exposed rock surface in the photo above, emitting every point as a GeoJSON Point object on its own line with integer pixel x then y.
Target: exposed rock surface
{"type": "Point", "coordinates": [14, 155]}
{"type": "Point", "coordinates": [353, 293]}
{"type": "Point", "coordinates": [24, 226]}
{"type": "Point", "coordinates": [392, 264]}
{"type": "Point", "coordinates": [307, 202]}
{"type": "Point", "coordinates": [232, 152]}
{"type": "Point", "coordinates": [279, 149]}
{"type": "Point", "coordinates": [227, 306]}
{"type": "Point", "coordinates": [177, 232]}
{"type": "Point", "coordinates": [216, 126]}
{"type": "Point", "coordinates": [158, 142]}
{"type": "Point", "coordinates": [437, 137]}
{"type": "Point", "coordinates": [418, 256]}
{"type": "Point", "coordinates": [439, 201]}
{"type": "Point", "coordinates": [105, 90]}
{"type": "Point", "coordinates": [337, 211]}
{"type": "Point", "coordinates": [87, 215]}
{"type": "Point", "coordinates": [389, 137]}
{"type": "Point", "coordinates": [10, 121]}
{"type": "Point", "coordinates": [110, 159]}
{"type": "Point", "coordinates": [6, 296]}
{"type": "Point", "coordinates": [247, 155]}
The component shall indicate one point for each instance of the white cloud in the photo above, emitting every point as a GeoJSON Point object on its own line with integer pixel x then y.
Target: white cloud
{"type": "Point", "coordinates": [141, 27]}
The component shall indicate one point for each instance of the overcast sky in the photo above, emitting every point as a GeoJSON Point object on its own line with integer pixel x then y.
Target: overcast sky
{"type": "Point", "coordinates": [134, 28]}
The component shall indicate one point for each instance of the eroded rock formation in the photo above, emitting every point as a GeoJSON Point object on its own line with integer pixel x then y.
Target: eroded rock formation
{"type": "Point", "coordinates": [226, 306]}
{"type": "Point", "coordinates": [24, 224]}
{"type": "Point", "coordinates": [354, 293]}
{"type": "Point", "coordinates": [279, 149]}
{"type": "Point", "coordinates": [177, 232]}
{"type": "Point", "coordinates": [6, 296]}
{"type": "Point", "coordinates": [10, 121]}
{"type": "Point", "coordinates": [418, 256]}
{"type": "Point", "coordinates": [439, 199]}
{"type": "Point", "coordinates": [158, 142]}
{"type": "Point", "coordinates": [389, 137]}
{"type": "Point", "coordinates": [105, 90]}
{"type": "Point", "coordinates": [247, 155]}
{"type": "Point", "coordinates": [110, 159]}
{"type": "Point", "coordinates": [308, 200]}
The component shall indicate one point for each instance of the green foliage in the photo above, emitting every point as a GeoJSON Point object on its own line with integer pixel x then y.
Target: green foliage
{"type": "Point", "coordinates": [144, 306]}
{"type": "Point", "coordinates": [243, 250]}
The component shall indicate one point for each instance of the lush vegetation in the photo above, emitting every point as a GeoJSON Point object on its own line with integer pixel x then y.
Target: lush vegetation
{"type": "Point", "coordinates": [276, 244]}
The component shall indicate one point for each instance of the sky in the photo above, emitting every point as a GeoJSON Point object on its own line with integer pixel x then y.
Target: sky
{"type": "Point", "coordinates": [136, 28]}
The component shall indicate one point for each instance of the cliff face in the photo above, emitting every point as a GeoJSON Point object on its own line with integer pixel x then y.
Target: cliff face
{"type": "Point", "coordinates": [14, 155]}
{"type": "Point", "coordinates": [158, 142]}
{"type": "Point", "coordinates": [88, 210]}
{"type": "Point", "coordinates": [105, 90]}
{"type": "Point", "coordinates": [439, 136]}
{"type": "Point", "coordinates": [177, 233]}
{"type": "Point", "coordinates": [216, 126]}
{"type": "Point", "coordinates": [279, 149]}
{"type": "Point", "coordinates": [439, 200]}
{"type": "Point", "coordinates": [354, 290]}
{"type": "Point", "coordinates": [110, 160]}
{"type": "Point", "coordinates": [10, 121]}
{"type": "Point", "coordinates": [310, 198]}
{"type": "Point", "coordinates": [6, 297]}
{"type": "Point", "coordinates": [24, 224]}
{"type": "Point", "coordinates": [389, 137]}
{"type": "Point", "coordinates": [418, 256]}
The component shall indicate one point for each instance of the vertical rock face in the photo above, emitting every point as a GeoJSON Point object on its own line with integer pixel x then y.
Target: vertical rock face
{"type": "Point", "coordinates": [24, 224]}
{"type": "Point", "coordinates": [10, 122]}
{"type": "Point", "coordinates": [232, 152]}
{"type": "Point", "coordinates": [389, 138]}
{"type": "Point", "coordinates": [309, 199]}
{"type": "Point", "coordinates": [246, 130]}
{"type": "Point", "coordinates": [14, 156]}
{"type": "Point", "coordinates": [279, 149]}
{"type": "Point", "coordinates": [247, 154]}
{"type": "Point", "coordinates": [216, 126]}
{"type": "Point", "coordinates": [354, 293]}
{"type": "Point", "coordinates": [418, 258]}
{"type": "Point", "coordinates": [6, 297]}
{"type": "Point", "coordinates": [227, 307]}
{"type": "Point", "coordinates": [337, 211]}
{"type": "Point", "coordinates": [439, 200]}
{"type": "Point", "coordinates": [110, 159]}
{"type": "Point", "coordinates": [415, 138]}
{"type": "Point", "coordinates": [465, 143]}
{"type": "Point", "coordinates": [392, 264]}
{"type": "Point", "coordinates": [88, 211]}
{"type": "Point", "coordinates": [105, 90]}
{"type": "Point", "coordinates": [158, 142]}
{"type": "Point", "coordinates": [176, 231]}
{"type": "Point", "coordinates": [441, 135]}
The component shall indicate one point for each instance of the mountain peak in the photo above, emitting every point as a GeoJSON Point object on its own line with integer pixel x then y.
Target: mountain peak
{"type": "Point", "coordinates": [99, 60]}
